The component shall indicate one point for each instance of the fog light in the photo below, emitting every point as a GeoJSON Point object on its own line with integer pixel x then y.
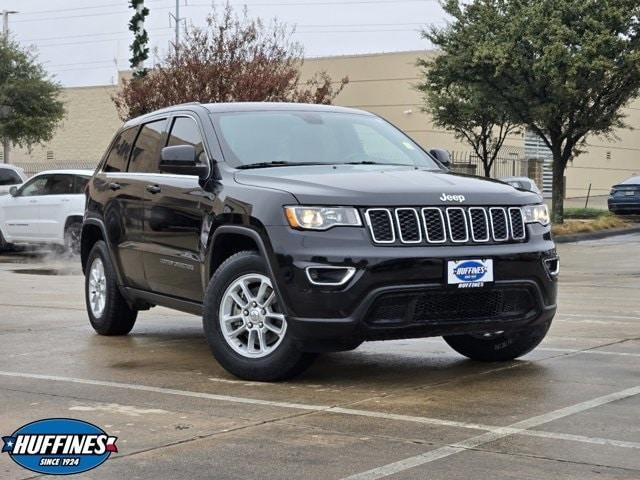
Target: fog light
{"type": "Point", "coordinates": [330, 276]}
{"type": "Point", "coordinates": [553, 266]}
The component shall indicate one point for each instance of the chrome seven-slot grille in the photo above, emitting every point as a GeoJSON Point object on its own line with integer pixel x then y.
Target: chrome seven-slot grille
{"type": "Point", "coordinates": [446, 225]}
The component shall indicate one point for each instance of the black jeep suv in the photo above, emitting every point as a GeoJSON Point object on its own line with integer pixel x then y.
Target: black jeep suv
{"type": "Point", "coordinates": [299, 229]}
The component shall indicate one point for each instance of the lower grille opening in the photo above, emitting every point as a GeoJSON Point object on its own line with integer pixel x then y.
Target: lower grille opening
{"type": "Point", "coordinates": [443, 306]}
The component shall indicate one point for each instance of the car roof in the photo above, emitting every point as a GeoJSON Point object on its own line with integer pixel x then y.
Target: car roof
{"type": "Point", "coordinates": [11, 167]}
{"type": "Point", "coordinates": [249, 107]}
{"type": "Point", "coordinates": [88, 173]}
{"type": "Point", "coordinates": [631, 181]}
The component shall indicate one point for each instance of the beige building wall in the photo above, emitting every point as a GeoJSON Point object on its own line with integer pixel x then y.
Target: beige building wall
{"type": "Point", "coordinates": [84, 134]}
{"type": "Point", "coordinates": [381, 83]}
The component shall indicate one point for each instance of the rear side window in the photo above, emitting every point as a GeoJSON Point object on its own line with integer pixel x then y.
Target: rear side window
{"type": "Point", "coordinates": [59, 185]}
{"type": "Point", "coordinates": [119, 153]}
{"type": "Point", "coordinates": [185, 131]}
{"type": "Point", "coordinates": [9, 177]}
{"type": "Point", "coordinates": [145, 157]}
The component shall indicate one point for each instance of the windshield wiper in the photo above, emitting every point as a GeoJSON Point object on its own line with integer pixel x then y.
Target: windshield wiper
{"type": "Point", "coordinates": [370, 162]}
{"type": "Point", "coordinates": [278, 164]}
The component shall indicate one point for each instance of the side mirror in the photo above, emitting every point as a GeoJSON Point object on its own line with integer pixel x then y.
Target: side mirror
{"type": "Point", "coordinates": [182, 160]}
{"type": "Point", "coordinates": [13, 191]}
{"type": "Point", "coordinates": [442, 156]}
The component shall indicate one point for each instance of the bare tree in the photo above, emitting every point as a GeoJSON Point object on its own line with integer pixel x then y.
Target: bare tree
{"type": "Point", "coordinates": [235, 58]}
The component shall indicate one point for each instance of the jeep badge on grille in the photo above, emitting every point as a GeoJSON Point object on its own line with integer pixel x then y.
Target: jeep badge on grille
{"type": "Point", "coordinates": [452, 198]}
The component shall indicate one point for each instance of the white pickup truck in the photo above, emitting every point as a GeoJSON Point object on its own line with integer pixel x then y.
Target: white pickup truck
{"type": "Point", "coordinates": [47, 209]}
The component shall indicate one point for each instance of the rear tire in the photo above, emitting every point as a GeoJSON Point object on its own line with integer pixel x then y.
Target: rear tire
{"type": "Point", "coordinates": [252, 341]}
{"type": "Point", "coordinates": [108, 311]}
{"type": "Point", "coordinates": [72, 236]}
{"type": "Point", "coordinates": [499, 348]}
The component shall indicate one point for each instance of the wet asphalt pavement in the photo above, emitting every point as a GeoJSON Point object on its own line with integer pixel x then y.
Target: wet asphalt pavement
{"type": "Point", "coordinates": [410, 409]}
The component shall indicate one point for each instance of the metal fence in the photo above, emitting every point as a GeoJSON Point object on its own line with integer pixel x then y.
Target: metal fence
{"type": "Point", "coordinates": [511, 162]}
{"type": "Point", "coordinates": [31, 168]}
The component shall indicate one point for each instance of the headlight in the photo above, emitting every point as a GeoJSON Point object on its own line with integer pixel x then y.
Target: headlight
{"type": "Point", "coordinates": [322, 218]}
{"type": "Point", "coordinates": [536, 213]}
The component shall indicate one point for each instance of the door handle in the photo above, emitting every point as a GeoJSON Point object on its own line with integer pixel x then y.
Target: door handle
{"type": "Point", "coordinates": [153, 189]}
{"type": "Point", "coordinates": [114, 186]}
{"type": "Point", "coordinates": [33, 201]}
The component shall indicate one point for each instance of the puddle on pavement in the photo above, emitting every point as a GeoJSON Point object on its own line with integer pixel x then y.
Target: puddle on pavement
{"type": "Point", "coordinates": [48, 271]}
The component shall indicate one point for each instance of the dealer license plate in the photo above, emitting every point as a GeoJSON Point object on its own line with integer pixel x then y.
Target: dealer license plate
{"type": "Point", "coordinates": [469, 273]}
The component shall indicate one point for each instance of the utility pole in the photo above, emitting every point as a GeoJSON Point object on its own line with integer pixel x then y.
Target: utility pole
{"type": "Point", "coordinates": [177, 19]}
{"type": "Point", "coordinates": [5, 23]}
{"type": "Point", "coordinates": [4, 109]}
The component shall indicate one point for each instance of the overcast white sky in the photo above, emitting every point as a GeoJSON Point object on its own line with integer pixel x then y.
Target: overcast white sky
{"type": "Point", "coordinates": [85, 42]}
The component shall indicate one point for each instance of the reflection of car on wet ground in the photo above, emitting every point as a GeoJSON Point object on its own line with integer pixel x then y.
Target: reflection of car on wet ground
{"type": "Point", "coordinates": [46, 209]}
{"type": "Point", "coordinates": [625, 196]}
{"type": "Point", "coordinates": [10, 176]}
{"type": "Point", "coordinates": [524, 183]}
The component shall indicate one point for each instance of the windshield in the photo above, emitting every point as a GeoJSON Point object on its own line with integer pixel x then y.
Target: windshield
{"type": "Point", "coordinates": [297, 137]}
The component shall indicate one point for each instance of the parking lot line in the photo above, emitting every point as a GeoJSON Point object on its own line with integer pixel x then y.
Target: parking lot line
{"type": "Point", "coordinates": [504, 431]}
{"type": "Point", "coordinates": [479, 440]}
{"type": "Point", "coordinates": [589, 351]}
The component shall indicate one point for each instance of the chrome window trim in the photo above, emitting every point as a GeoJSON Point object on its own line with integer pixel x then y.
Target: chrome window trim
{"type": "Point", "coordinates": [486, 223]}
{"type": "Point", "coordinates": [506, 224]}
{"type": "Point", "coordinates": [426, 231]}
{"type": "Point", "coordinates": [373, 235]}
{"type": "Point", "coordinates": [466, 225]}
{"type": "Point", "coordinates": [415, 213]}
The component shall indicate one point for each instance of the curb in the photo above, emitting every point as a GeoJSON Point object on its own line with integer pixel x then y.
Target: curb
{"type": "Point", "coordinates": [576, 237]}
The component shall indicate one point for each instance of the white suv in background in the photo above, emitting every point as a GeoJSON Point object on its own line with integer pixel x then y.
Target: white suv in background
{"type": "Point", "coordinates": [47, 209]}
{"type": "Point", "coordinates": [10, 176]}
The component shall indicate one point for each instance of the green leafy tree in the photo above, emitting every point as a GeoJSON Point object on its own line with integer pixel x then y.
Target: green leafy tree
{"type": "Point", "coordinates": [30, 108]}
{"type": "Point", "coordinates": [563, 68]}
{"type": "Point", "coordinates": [464, 110]}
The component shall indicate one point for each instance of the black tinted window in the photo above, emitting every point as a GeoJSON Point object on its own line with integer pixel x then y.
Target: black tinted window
{"type": "Point", "coordinates": [146, 151]}
{"type": "Point", "coordinates": [119, 154]}
{"type": "Point", "coordinates": [59, 185]}
{"type": "Point", "coordinates": [185, 131]}
{"type": "Point", "coordinates": [9, 177]}
{"type": "Point", "coordinates": [80, 184]}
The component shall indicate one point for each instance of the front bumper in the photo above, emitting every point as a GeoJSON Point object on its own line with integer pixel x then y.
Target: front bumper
{"type": "Point", "coordinates": [340, 317]}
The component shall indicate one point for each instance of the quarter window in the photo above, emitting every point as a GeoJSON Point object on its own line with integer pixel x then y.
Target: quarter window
{"type": "Point", "coordinates": [80, 184]}
{"type": "Point", "coordinates": [119, 153]}
{"type": "Point", "coordinates": [145, 157]}
{"type": "Point", "coordinates": [185, 131]}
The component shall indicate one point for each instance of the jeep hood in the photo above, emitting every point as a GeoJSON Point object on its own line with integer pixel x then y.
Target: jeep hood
{"type": "Point", "coordinates": [376, 185]}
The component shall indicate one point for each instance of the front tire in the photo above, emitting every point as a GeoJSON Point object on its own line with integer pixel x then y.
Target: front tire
{"type": "Point", "coordinates": [500, 347]}
{"type": "Point", "coordinates": [244, 326]}
{"type": "Point", "coordinates": [109, 313]}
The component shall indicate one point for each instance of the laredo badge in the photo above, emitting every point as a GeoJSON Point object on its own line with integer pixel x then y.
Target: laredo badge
{"type": "Point", "coordinates": [59, 446]}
